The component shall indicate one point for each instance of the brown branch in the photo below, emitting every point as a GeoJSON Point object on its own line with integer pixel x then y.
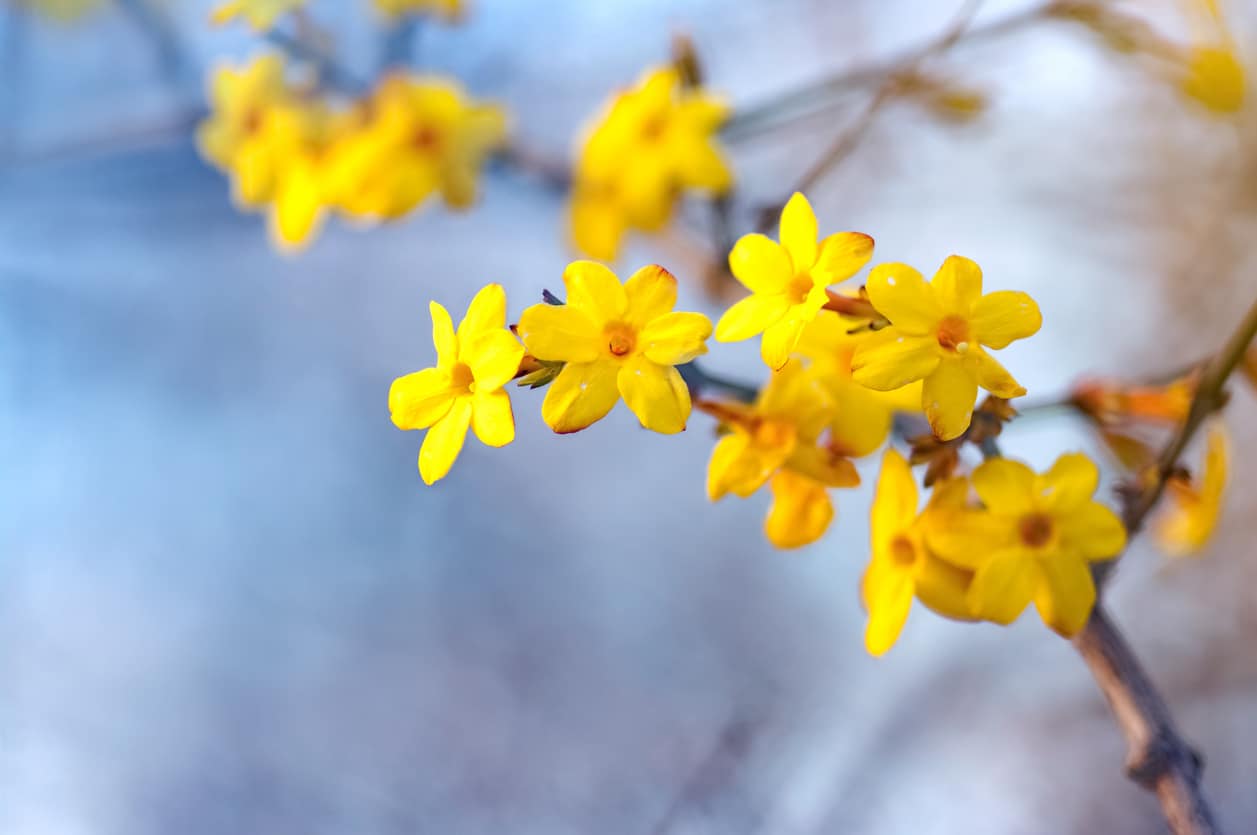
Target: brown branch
{"type": "Point", "coordinates": [1158, 758]}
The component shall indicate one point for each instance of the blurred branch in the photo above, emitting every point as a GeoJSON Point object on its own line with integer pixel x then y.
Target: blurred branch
{"type": "Point", "coordinates": [1158, 759]}
{"type": "Point", "coordinates": [808, 98]}
{"type": "Point", "coordinates": [849, 139]}
{"type": "Point", "coordinates": [699, 380]}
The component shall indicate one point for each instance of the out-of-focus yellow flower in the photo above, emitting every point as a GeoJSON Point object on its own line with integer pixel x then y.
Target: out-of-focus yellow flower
{"type": "Point", "coordinates": [271, 140]}
{"type": "Point", "coordinates": [788, 280]}
{"type": "Point", "coordinates": [1212, 73]}
{"type": "Point", "coordinates": [617, 341]}
{"type": "Point", "coordinates": [939, 332]}
{"type": "Point", "coordinates": [1191, 517]}
{"type": "Point", "coordinates": [1214, 76]}
{"type": "Point", "coordinates": [62, 11]}
{"type": "Point", "coordinates": [465, 387]}
{"type": "Point", "coordinates": [448, 9]}
{"type": "Point", "coordinates": [779, 438]}
{"type": "Point", "coordinates": [861, 418]}
{"type": "Point", "coordinates": [651, 144]}
{"type": "Point", "coordinates": [421, 135]}
{"type": "Point", "coordinates": [261, 14]}
{"type": "Point", "coordinates": [1033, 541]}
{"type": "Point", "coordinates": [901, 565]}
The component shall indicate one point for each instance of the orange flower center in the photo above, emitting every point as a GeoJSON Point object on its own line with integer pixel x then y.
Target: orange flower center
{"type": "Point", "coordinates": [953, 334]}
{"type": "Point", "coordinates": [800, 287]}
{"type": "Point", "coordinates": [653, 128]}
{"type": "Point", "coordinates": [773, 433]}
{"type": "Point", "coordinates": [425, 140]}
{"type": "Point", "coordinates": [902, 552]}
{"type": "Point", "coordinates": [461, 378]}
{"type": "Point", "coordinates": [1036, 529]}
{"type": "Point", "coordinates": [621, 339]}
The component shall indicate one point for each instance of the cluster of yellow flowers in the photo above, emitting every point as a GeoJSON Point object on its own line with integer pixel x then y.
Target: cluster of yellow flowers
{"type": "Point", "coordinates": [651, 144]}
{"type": "Point", "coordinates": [983, 548]}
{"type": "Point", "coordinates": [297, 153]}
{"type": "Point", "coordinates": [263, 14]}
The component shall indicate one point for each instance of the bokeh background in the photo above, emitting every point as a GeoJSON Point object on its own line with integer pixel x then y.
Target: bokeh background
{"type": "Point", "coordinates": [229, 605]}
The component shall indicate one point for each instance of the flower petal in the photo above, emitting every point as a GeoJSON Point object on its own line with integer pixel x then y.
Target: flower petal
{"type": "Point", "coordinates": [738, 467]}
{"type": "Point", "coordinates": [999, 318]}
{"type": "Point", "coordinates": [494, 357]}
{"type": "Point", "coordinates": [841, 256]}
{"type": "Point", "coordinates": [1066, 594]}
{"type": "Point", "coordinates": [443, 336]}
{"type": "Point", "coordinates": [582, 394]}
{"type": "Point", "coordinates": [948, 398]}
{"type": "Point", "coordinates": [1093, 531]}
{"type": "Point", "coordinates": [1003, 587]}
{"type": "Point", "coordinates": [800, 512]}
{"type": "Point", "coordinates": [822, 466]}
{"type": "Point", "coordinates": [889, 360]}
{"type": "Point", "coordinates": [487, 311]}
{"type": "Point", "coordinates": [560, 333]}
{"type": "Point", "coordinates": [901, 295]}
{"type": "Point", "coordinates": [761, 264]}
{"type": "Point", "coordinates": [957, 285]}
{"type": "Point", "coordinates": [894, 502]}
{"type": "Point", "coordinates": [966, 538]}
{"type": "Point", "coordinates": [675, 338]}
{"type": "Point", "coordinates": [798, 232]}
{"type": "Point", "coordinates": [492, 418]}
{"type": "Point", "coordinates": [992, 376]}
{"type": "Point", "coordinates": [416, 401]}
{"type": "Point", "coordinates": [1005, 486]}
{"type": "Point", "coordinates": [862, 419]}
{"type": "Point", "coordinates": [779, 341]}
{"type": "Point", "coordinates": [942, 587]}
{"type": "Point", "coordinates": [887, 594]}
{"type": "Point", "coordinates": [594, 290]}
{"type": "Point", "coordinates": [1070, 483]}
{"type": "Point", "coordinates": [656, 394]}
{"type": "Point", "coordinates": [651, 292]}
{"type": "Point", "coordinates": [444, 441]}
{"type": "Point", "coordinates": [750, 316]}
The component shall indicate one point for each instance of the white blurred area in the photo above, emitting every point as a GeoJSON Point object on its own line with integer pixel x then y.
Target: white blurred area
{"type": "Point", "coordinates": [229, 605]}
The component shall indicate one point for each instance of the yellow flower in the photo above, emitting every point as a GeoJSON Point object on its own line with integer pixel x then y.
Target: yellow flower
{"type": "Point", "coordinates": [788, 280]}
{"type": "Point", "coordinates": [448, 9]}
{"type": "Point", "coordinates": [465, 387]}
{"type": "Point", "coordinates": [1033, 541]}
{"type": "Point", "coordinates": [938, 334]}
{"type": "Point", "coordinates": [862, 417]}
{"type": "Point", "coordinates": [617, 341]}
{"type": "Point", "coordinates": [779, 438]}
{"type": "Point", "coordinates": [1191, 518]}
{"type": "Point", "coordinates": [650, 145]}
{"type": "Point", "coordinates": [271, 141]}
{"type": "Point", "coordinates": [901, 566]}
{"type": "Point", "coordinates": [421, 136]}
{"type": "Point", "coordinates": [1214, 76]}
{"type": "Point", "coordinates": [1211, 71]}
{"type": "Point", "coordinates": [261, 14]}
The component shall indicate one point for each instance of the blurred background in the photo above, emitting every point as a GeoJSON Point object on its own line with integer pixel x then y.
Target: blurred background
{"type": "Point", "coordinates": [228, 604]}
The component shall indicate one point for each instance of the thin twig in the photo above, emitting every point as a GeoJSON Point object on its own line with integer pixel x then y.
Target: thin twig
{"type": "Point", "coordinates": [806, 99]}
{"type": "Point", "coordinates": [849, 139]}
